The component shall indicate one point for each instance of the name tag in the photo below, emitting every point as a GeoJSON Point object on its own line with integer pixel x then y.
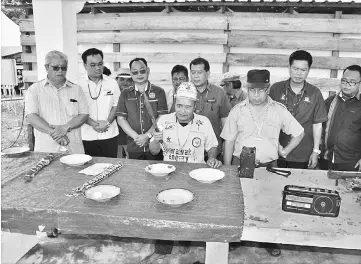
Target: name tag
{"type": "Point", "coordinates": [155, 100]}
{"type": "Point", "coordinates": [132, 99]}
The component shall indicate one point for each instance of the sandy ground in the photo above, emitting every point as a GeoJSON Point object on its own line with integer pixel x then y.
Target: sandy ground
{"type": "Point", "coordinates": [130, 251]}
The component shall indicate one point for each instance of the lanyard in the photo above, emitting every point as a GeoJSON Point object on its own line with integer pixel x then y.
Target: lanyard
{"type": "Point", "coordinates": [190, 130]}
{"type": "Point", "coordinates": [299, 99]}
{"type": "Point", "coordinates": [100, 90]}
{"type": "Point", "coordinates": [199, 102]}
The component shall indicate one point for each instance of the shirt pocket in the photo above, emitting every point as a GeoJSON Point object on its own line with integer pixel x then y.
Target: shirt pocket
{"type": "Point", "coordinates": [272, 127]}
{"type": "Point", "coordinates": [72, 108]}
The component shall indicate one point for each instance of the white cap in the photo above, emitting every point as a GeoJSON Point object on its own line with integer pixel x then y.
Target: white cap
{"type": "Point", "coordinates": [124, 73]}
{"type": "Point", "coordinates": [187, 90]}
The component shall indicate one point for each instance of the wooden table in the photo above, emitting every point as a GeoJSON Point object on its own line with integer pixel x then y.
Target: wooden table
{"type": "Point", "coordinates": [215, 216]}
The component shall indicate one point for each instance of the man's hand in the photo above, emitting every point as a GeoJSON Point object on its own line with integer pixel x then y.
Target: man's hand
{"type": "Point", "coordinates": [59, 131]}
{"type": "Point", "coordinates": [358, 164]}
{"type": "Point", "coordinates": [158, 136]}
{"type": "Point", "coordinates": [141, 140]}
{"type": "Point", "coordinates": [313, 160]}
{"type": "Point", "coordinates": [282, 152]}
{"type": "Point", "coordinates": [64, 141]}
{"type": "Point", "coordinates": [102, 126]}
{"type": "Point", "coordinates": [214, 163]}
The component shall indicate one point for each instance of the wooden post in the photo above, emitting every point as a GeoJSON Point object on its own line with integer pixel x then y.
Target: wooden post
{"type": "Point", "coordinates": [336, 53]}
{"type": "Point", "coordinates": [116, 48]}
{"type": "Point", "coordinates": [226, 50]}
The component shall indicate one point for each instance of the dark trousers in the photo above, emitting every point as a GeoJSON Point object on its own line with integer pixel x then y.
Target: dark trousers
{"type": "Point", "coordinates": [145, 156]}
{"type": "Point", "coordinates": [165, 247]}
{"type": "Point", "coordinates": [237, 161]}
{"type": "Point", "coordinates": [101, 148]}
{"type": "Point", "coordinates": [328, 165]}
{"type": "Point", "coordinates": [282, 163]}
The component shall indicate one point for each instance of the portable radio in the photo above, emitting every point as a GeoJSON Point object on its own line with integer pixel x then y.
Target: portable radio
{"type": "Point", "coordinates": [312, 201]}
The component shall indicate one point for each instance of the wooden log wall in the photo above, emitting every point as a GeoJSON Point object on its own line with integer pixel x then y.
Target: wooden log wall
{"type": "Point", "coordinates": [231, 40]}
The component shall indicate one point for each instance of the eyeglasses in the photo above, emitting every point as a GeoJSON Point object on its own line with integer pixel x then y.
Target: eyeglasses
{"type": "Point", "coordinates": [139, 72]}
{"type": "Point", "coordinates": [351, 83]}
{"type": "Point", "coordinates": [259, 90]}
{"type": "Point", "coordinates": [93, 65]}
{"type": "Point", "coordinates": [197, 72]}
{"type": "Point", "coordinates": [181, 79]}
{"type": "Point", "coordinates": [57, 68]}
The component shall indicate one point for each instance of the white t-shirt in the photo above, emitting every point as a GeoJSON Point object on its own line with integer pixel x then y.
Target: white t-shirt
{"type": "Point", "coordinates": [99, 109]}
{"type": "Point", "coordinates": [188, 143]}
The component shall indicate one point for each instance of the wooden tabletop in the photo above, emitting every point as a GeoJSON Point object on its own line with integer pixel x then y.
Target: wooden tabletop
{"type": "Point", "coordinates": [265, 221]}
{"type": "Point", "coordinates": [215, 215]}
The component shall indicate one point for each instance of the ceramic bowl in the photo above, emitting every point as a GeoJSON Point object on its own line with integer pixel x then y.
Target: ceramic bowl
{"type": "Point", "coordinates": [75, 159]}
{"type": "Point", "coordinates": [175, 197]}
{"type": "Point", "coordinates": [102, 193]}
{"type": "Point", "coordinates": [207, 175]}
{"type": "Point", "coordinates": [15, 151]}
{"type": "Point", "coordinates": [160, 169]}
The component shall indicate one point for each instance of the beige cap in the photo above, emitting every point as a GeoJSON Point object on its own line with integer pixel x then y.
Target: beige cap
{"type": "Point", "coordinates": [187, 90]}
{"type": "Point", "coordinates": [124, 73]}
{"type": "Point", "coordinates": [230, 76]}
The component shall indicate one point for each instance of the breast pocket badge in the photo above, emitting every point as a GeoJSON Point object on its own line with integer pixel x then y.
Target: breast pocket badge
{"type": "Point", "coordinates": [196, 142]}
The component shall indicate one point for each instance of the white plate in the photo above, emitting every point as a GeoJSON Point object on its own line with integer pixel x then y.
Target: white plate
{"type": "Point", "coordinates": [175, 197]}
{"type": "Point", "coordinates": [102, 193]}
{"type": "Point", "coordinates": [160, 169]}
{"type": "Point", "coordinates": [206, 175]}
{"type": "Point", "coordinates": [15, 151]}
{"type": "Point", "coordinates": [75, 159]}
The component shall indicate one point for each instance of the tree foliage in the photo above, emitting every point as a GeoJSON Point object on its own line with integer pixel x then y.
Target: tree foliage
{"type": "Point", "coordinates": [14, 13]}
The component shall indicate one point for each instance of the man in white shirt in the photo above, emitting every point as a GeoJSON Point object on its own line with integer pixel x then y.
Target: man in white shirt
{"type": "Point", "coordinates": [100, 132]}
{"type": "Point", "coordinates": [56, 108]}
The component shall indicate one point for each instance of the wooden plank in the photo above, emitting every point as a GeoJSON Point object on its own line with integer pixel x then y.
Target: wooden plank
{"type": "Point", "coordinates": [216, 253]}
{"type": "Point", "coordinates": [265, 221]}
{"type": "Point", "coordinates": [116, 48]}
{"type": "Point", "coordinates": [295, 24]}
{"type": "Point", "coordinates": [150, 57]}
{"type": "Point", "coordinates": [149, 21]}
{"type": "Point", "coordinates": [336, 52]}
{"type": "Point", "coordinates": [143, 38]}
{"type": "Point", "coordinates": [215, 215]}
{"type": "Point", "coordinates": [273, 60]}
{"type": "Point", "coordinates": [280, 42]}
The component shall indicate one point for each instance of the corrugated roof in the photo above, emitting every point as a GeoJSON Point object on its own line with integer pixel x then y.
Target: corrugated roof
{"type": "Point", "coordinates": [240, 1]}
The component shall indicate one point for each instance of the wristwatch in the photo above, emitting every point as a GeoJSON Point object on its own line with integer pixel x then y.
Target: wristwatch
{"type": "Point", "coordinates": [108, 124]}
{"type": "Point", "coordinates": [317, 151]}
{"type": "Point", "coordinates": [149, 135]}
{"type": "Point", "coordinates": [69, 129]}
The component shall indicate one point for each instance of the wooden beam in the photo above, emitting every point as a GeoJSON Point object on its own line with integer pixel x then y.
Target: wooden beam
{"type": "Point", "coordinates": [142, 38]}
{"type": "Point", "coordinates": [273, 60]}
{"type": "Point", "coordinates": [295, 24]}
{"type": "Point", "coordinates": [336, 52]}
{"type": "Point", "coordinates": [151, 57]}
{"type": "Point", "coordinates": [295, 42]}
{"type": "Point", "coordinates": [116, 48]}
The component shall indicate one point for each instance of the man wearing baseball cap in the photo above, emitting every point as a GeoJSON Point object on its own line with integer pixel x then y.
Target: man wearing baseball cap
{"type": "Point", "coordinates": [233, 87]}
{"type": "Point", "coordinates": [257, 122]}
{"type": "Point", "coordinates": [184, 138]}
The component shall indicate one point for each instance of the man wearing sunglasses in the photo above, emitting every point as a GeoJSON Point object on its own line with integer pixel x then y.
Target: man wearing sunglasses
{"type": "Point", "coordinates": [100, 132]}
{"type": "Point", "coordinates": [306, 104]}
{"type": "Point", "coordinates": [342, 134]}
{"type": "Point", "coordinates": [138, 109]}
{"type": "Point", "coordinates": [56, 108]}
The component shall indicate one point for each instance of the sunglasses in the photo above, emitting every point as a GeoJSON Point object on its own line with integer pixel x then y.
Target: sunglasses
{"type": "Point", "coordinates": [57, 68]}
{"type": "Point", "coordinates": [139, 72]}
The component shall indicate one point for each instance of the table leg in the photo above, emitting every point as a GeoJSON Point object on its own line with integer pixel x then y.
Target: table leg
{"type": "Point", "coordinates": [216, 253]}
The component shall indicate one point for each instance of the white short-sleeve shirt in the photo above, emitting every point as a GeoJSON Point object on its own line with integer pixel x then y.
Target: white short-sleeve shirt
{"type": "Point", "coordinates": [188, 143]}
{"type": "Point", "coordinates": [101, 97]}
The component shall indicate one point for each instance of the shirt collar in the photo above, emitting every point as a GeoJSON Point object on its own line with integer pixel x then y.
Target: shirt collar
{"type": "Point", "coordinates": [305, 86]}
{"type": "Point", "coordinates": [245, 102]}
{"type": "Point", "coordinates": [357, 96]}
{"type": "Point", "coordinates": [136, 88]}
{"type": "Point", "coordinates": [66, 84]}
{"type": "Point", "coordinates": [88, 79]}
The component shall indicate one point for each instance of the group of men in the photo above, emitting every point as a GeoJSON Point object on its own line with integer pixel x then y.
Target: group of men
{"type": "Point", "coordinates": [289, 123]}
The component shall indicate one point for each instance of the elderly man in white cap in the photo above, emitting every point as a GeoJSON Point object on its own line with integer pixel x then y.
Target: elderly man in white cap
{"type": "Point", "coordinates": [186, 135]}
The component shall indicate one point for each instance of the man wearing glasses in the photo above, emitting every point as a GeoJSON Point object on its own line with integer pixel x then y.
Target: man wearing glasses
{"type": "Point", "coordinates": [100, 131]}
{"type": "Point", "coordinates": [179, 74]}
{"type": "Point", "coordinates": [257, 122]}
{"type": "Point", "coordinates": [342, 136]}
{"type": "Point", "coordinates": [56, 108]}
{"type": "Point", "coordinates": [305, 102]}
{"type": "Point", "coordinates": [138, 109]}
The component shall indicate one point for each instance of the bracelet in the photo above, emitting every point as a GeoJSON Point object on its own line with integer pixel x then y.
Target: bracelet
{"type": "Point", "coordinates": [108, 124]}
{"type": "Point", "coordinates": [317, 151]}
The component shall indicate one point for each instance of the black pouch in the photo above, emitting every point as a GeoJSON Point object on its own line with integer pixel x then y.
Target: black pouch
{"type": "Point", "coordinates": [247, 162]}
